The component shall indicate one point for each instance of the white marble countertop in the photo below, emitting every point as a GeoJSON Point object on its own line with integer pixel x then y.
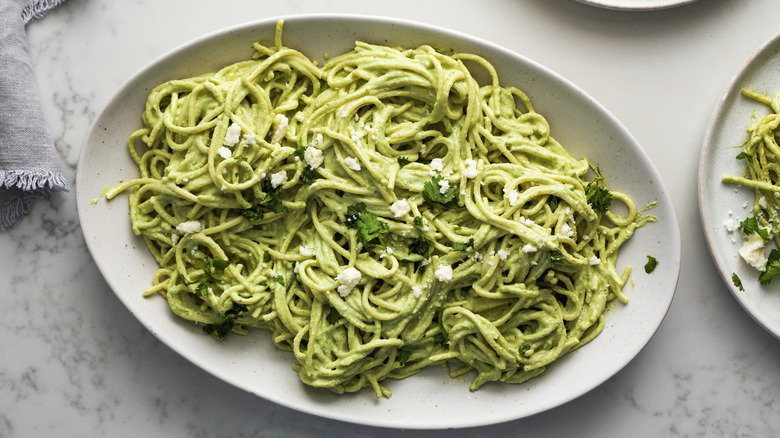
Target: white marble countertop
{"type": "Point", "coordinates": [74, 361]}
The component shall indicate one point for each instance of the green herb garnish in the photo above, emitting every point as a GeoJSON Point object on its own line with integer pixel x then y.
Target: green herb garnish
{"type": "Point", "coordinates": [651, 264]}
{"type": "Point", "coordinates": [597, 195]}
{"type": "Point", "coordinates": [553, 202]}
{"type": "Point", "coordinates": [370, 230]}
{"type": "Point", "coordinates": [463, 246]}
{"type": "Point", "coordinates": [403, 355]}
{"type": "Point", "coordinates": [772, 268]}
{"type": "Point", "coordinates": [750, 226]}
{"type": "Point", "coordinates": [333, 316]}
{"type": "Point", "coordinates": [269, 203]}
{"type": "Point", "coordinates": [737, 282]}
{"type": "Point", "coordinates": [432, 193]}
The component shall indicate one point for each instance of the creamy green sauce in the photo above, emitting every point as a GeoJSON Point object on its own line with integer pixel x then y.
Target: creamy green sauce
{"type": "Point", "coordinates": [378, 215]}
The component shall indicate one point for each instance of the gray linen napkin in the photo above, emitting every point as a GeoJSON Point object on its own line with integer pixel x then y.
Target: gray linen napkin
{"type": "Point", "coordinates": [29, 165]}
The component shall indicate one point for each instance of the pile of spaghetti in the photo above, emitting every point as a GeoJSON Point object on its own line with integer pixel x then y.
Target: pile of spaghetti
{"type": "Point", "coordinates": [378, 214]}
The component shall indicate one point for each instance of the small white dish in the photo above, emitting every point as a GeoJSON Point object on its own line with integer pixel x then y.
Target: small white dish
{"type": "Point", "coordinates": [719, 202]}
{"type": "Point", "coordinates": [636, 5]}
{"type": "Point", "coordinates": [430, 399]}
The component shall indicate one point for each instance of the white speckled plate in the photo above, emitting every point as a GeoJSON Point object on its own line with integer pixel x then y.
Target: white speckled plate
{"type": "Point", "coordinates": [430, 399]}
{"type": "Point", "coordinates": [637, 5]}
{"type": "Point", "coordinates": [719, 202]}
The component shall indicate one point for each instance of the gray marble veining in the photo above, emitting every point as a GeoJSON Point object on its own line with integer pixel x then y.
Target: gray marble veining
{"type": "Point", "coordinates": [75, 362]}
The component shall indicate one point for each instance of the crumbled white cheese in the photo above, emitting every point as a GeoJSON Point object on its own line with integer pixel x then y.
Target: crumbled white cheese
{"type": "Point", "coordinates": [352, 163]}
{"type": "Point", "coordinates": [400, 208]}
{"type": "Point", "coordinates": [502, 254]}
{"type": "Point", "coordinates": [174, 239]}
{"type": "Point", "coordinates": [471, 168]}
{"type": "Point", "coordinates": [250, 139]}
{"type": "Point", "coordinates": [349, 278]}
{"type": "Point", "coordinates": [280, 128]}
{"type": "Point", "coordinates": [313, 157]}
{"type": "Point", "coordinates": [752, 251]}
{"type": "Point", "coordinates": [306, 251]}
{"type": "Point", "coordinates": [232, 135]}
{"type": "Point", "coordinates": [444, 185]}
{"type": "Point", "coordinates": [513, 197]}
{"type": "Point", "coordinates": [278, 178]}
{"type": "Point", "coordinates": [224, 152]}
{"type": "Point", "coordinates": [357, 136]}
{"type": "Point", "coordinates": [189, 227]}
{"type": "Point", "coordinates": [299, 116]}
{"type": "Point", "coordinates": [443, 273]}
{"type": "Point", "coordinates": [318, 139]}
{"type": "Point", "coordinates": [528, 248]}
{"type": "Point", "coordinates": [437, 164]}
{"type": "Point", "coordinates": [344, 114]}
{"type": "Point", "coordinates": [594, 261]}
{"type": "Point", "coordinates": [566, 230]}
{"type": "Point", "coordinates": [416, 291]}
{"type": "Point", "coordinates": [527, 222]}
{"type": "Point", "coordinates": [731, 225]}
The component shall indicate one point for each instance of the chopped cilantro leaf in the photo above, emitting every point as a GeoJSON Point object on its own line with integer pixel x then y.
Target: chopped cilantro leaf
{"type": "Point", "coordinates": [219, 265]}
{"type": "Point", "coordinates": [308, 176]}
{"type": "Point", "coordinates": [353, 214]}
{"type": "Point", "coordinates": [403, 355]}
{"type": "Point", "coordinates": [743, 156]}
{"type": "Point", "coordinates": [333, 316]}
{"type": "Point", "coordinates": [737, 282]}
{"type": "Point", "coordinates": [403, 161]}
{"type": "Point", "coordinates": [553, 202]}
{"type": "Point", "coordinates": [750, 226]}
{"type": "Point", "coordinates": [463, 246]}
{"type": "Point", "coordinates": [556, 256]}
{"type": "Point", "coordinates": [524, 349]}
{"type": "Point", "coordinates": [772, 268]}
{"type": "Point", "coordinates": [279, 279]}
{"type": "Point", "coordinates": [202, 289]}
{"type": "Point", "coordinates": [421, 246]}
{"type": "Point", "coordinates": [370, 230]}
{"type": "Point", "coordinates": [419, 224]}
{"type": "Point", "coordinates": [432, 193]}
{"type": "Point", "coordinates": [300, 152]}
{"type": "Point", "coordinates": [222, 329]}
{"type": "Point", "coordinates": [266, 257]}
{"type": "Point", "coordinates": [651, 264]}
{"type": "Point", "coordinates": [270, 202]}
{"type": "Point", "coordinates": [597, 195]}
{"type": "Point", "coordinates": [219, 330]}
{"type": "Point", "coordinates": [236, 310]}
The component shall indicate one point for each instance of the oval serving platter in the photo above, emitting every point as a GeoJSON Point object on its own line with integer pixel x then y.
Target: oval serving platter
{"type": "Point", "coordinates": [430, 399]}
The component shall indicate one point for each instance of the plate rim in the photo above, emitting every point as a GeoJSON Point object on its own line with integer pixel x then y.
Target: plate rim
{"type": "Point", "coordinates": [462, 37]}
